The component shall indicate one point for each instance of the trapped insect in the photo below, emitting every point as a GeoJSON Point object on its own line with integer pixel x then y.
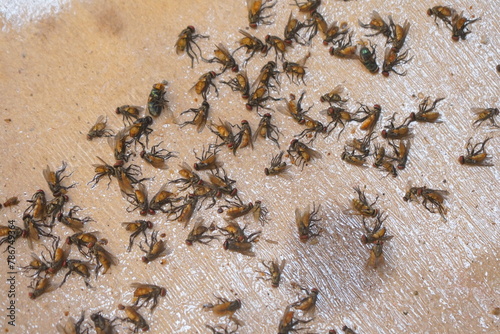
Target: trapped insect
{"type": "Point", "coordinates": [202, 86]}
{"type": "Point", "coordinates": [156, 100]}
{"type": "Point", "coordinates": [197, 234]}
{"type": "Point", "coordinates": [240, 84]}
{"type": "Point", "coordinates": [368, 58]}
{"type": "Point", "coordinates": [223, 57]}
{"type": "Point", "coordinates": [432, 199]}
{"type": "Point", "coordinates": [147, 293]}
{"type": "Point", "coordinates": [306, 222]}
{"type": "Point", "coordinates": [200, 116]}
{"type": "Point", "coordinates": [129, 113]}
{"type": "Point", "coordinates": [393, 59]}
{"type": "Point", "coordinates": [441, 12]}
{"type": "Point", "coordinates": [308, 303]}
{"type": "Point", "coordinates": [476, 154]}
{"type": "Point", "coordinates": [300, 154]}
{"type": "Point", "coordinates": [378, 24]}
{"type": "Point", "coordinates": [155, 250]}
{"type": "Point", "coordinates": [186, 41]}
{"type": "Point", "coordinates": [459, 25]}
{"type": "Point", "coordinates": [136, 227]}
{"type": "Point", "coordinates": [156, 156]}
{"type": "Point", "coordinates": [274, 270]}
{"type": "Point", "coordinates": [252, 44]}
{"type": "Point", "coordinates": [134, 317]}
{"type": "Point", "coordinates": [361, 206]}
{"type": "Point", "coordinates": [425, 112]}
{"type": "Point", "coordinates": [256, 10]}
{"type": "Point", "coordinates": [267, 130]}
{"type": "Point", "coordinates": [486, 114]}
{"type": "Point", "coordinates": [99, 129]}
{"type": "Point", "coordinates": [288, 322]}
{"type": "Point", "coordinates": [296, 70]}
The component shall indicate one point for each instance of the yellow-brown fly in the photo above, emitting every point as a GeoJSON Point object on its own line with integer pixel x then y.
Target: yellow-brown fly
{"type": "Point", "coordinates": [240, 84]}
{"type": "Point", "coordinates": [306, 222]}
{"type": "Point", "coordinates": [223, 57]}
{"type": "Point", "coordinates": [135, 228]}
{"type": "Point", "coordinates": [37, 265]}
{"type": "Point", "coordinates": [378, 24]}
{"type": "Point", "coordinates": [38, 206]}
{"type": "Point", "coordinates": [361, 145]}
{"type": "Point", "coordinates": [369, 117]}
{"type": "Point", "coordinates": [39, 287]}
{"type": "Point", "coordinates": [156, 248]}
{"type": "Point", "coordinates": [188, 179]}
{"type": "Point", "coordinates": [259, 213]}
{"type": "Point", "coordinates": [316, 23]}
{"type": "Point", "coordinates": [277, 166]}
{"type": "Point", "coordinates": [73, 327]}
{"type": "Point", "coordinates": [300, 154]}
{"type": "Point", "coordinates": [335, 31]}
{"type": "Point", "coordinates": [224, 308]}
{"type": "Point", "coordinates": [432, 199]}
{"type": "Point", "coordinates": [162, 198]}
{"type": "Point", "coordinates": [276, 43]}
{"type": "Point", "coordinates": [252, 44]}
{"type": "Point", "coordinates": [244, 246]}
{"type": "Point", "coordinates": [157, 157]}
{"type": "Point", "coordinates": [459, 26]}
{"type": "Point", "coordinates": [398, 35]}
{"type": "Point", "coordinates": [129, 113]}
{"type": "Point", "coordinates": [396, 132]}
{"type": "Point", "coordinates": [83, 239]}
{"type": "Point", "coordinates": [185, 43]}
{"type": "Point", "coordinates": [401, 152]}
{"type": "Point", "coordinates": [134, 318]}
{"type": "Point", "coordinates": [274, 270]}
{"type": "Point", "coordinates": [267, 130]}
{"type": "Point", "coordinates": [54, 180]}
{"type": "Point", "coordinates": [308, 6]}
{"type": "Point", "coordinates": [292, 28]}
{"type": "Point", "coordinates": [202, 86]}
{"type": "Point", "coordinates": [376, 234]}
{"type": "Point", "coordinates": [337, 115]}
{"type": "Point", "coordinates": [441, 12]}
{"type": "Point", "coordinates": [119, 145]}
{"type": "Point", "coordinates": [486, 114]}
{"type": "Point", "coordinates": [393, 59]}
{"type": "Point", "coordinates": [308, 303]}
{"type": "Point", "coordinates": [140, 128]}
{"type": "Point", "coordinates": [376, 258]}
{"type": "Point", "coordinates": [425, 112]}
{"type": "Point", "coordinates": [101, 171]}
{"type": "Point", "coordinates": [57, 256]}
{"type": "Point", "coordinates": [235, 209]}
{"type": "Point", "coordinates": [256, 10]}
{"type": "Point", "coordinates": [244, 136]}
{"type": "Point", "coordinates": [476, 154]}
{"type": "Point", "coordinates": [360, 205]}
{"type": "Point", "coordinates": [224, 131]}
{"type": "Point", "coordinates": [74, 223]}
{"type": "Point", "coordinates": [99, 129]}
{"type": "Point", "coordinates": [343, 48]}
{"type": "Point", "coordinates": [334, 96]}
{"type": "Point", "coordinates": [78, 267]}
{"type": "Point", "coordinates": [288, 322]}
{"type": "Point", "coordinates": [200, 116]}
{"type": "Point", "coordinates": [222, 183]}
{"type": "Point", "coordinates": [296, 70]}
{"type": "Point", "coordinates": [102, 325]}
{"type": "Point", "coordinates": [197, 234]}
{"type": "Point", "coordinates": [185, 211]}
{"type": "Point", "coordinates": [352, 158]}
{"type": "Point", "coordinates": [145, 293]}
{"type": "Point", "coordinates": [208, 159]}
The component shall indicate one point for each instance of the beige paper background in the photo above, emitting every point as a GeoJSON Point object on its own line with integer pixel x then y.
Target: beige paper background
{"type": "Point", "coordinates": [60, 71]}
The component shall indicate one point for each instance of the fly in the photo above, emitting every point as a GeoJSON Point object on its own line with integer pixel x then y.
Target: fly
{"type": "Point", "coordinates": [99, 129]}
{"type": "Point", "coordinates": [476, 155]}
{"type": "Point", "coordinates": [185, 43]}
{"type": "Point", "coordinates": [136, 227]}
{"type": "Point", "coordinates": [200, 116]}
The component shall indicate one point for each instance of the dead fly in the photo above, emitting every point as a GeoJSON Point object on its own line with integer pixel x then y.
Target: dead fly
{"type": "Point", "coordinates": [38, 206]}
{"type": "Point", "coordinates": [33, 230]}
{"type": "Point", "coordinates": [240, 84]}
{"type": "Point", "coordinates": [292, 29]}
{"type": "Point", "coordinates": [277, 165]}
{"type": "Point", "coordinates": [308, 6]}
{"type": "Point", "coordinates": [267, 130]}
{"type": "Point", "coordinates": [156, 100]}
{"type": "Point", "coordinates": [11, 201]}
{"type": "Point", "coordinates": [206, 191]}
{"type": "Point", "coordinates": [396, 132]}
{"type": "Point", "coordinates": [484, 114]}
{"type": "Point", "coordinates": [338, 116]}
{"type": "Point", "coordinates": [375, 234]}
{"type": "Point", "coordinates": [316, 23]}
{"type": "Point", "coordinates": [426, 113]}
{"type": "Point", "coordinates": [99, 129]}
{"type": "Point", "coordinates": [55, 206]}
{"type": "Point", "coordinates": [136, 227]}
{"type": "Point", "coordinates": [459, 25]}
{"type": "Point", "coordinates": [202, 87]}
{"type": "Point", "coordinates": [306, 222]}
{"type": "Point", "coordinates": [147, 293]}
{"type": "Point", "coordinates": [138, 200]}
{"type": "Point", "coordinates": [102, 170]}
{"type": "Point", "coordinates": [83, 239]}
{"type": "Point", "coordinates": [223, 57]}
{"type": "Point", "coordinates": [102, 325]}
{"type": "Point", "coordinates": [234, 231]}
{"type": "Point", "coordinates": [252, 44]}
{"type": "Point", "coordinates": [235, 209]}
{"type": "Point", "coordinates": [398, 35]}
{"type": "Point", "coordinates": [244, 137]}
{"type": "Point", "coordinates": [219, 329]}
{"type": "Point", "coordinates": [308, 303]}
{"type": "Point", "coordinates": [81, 268]}
{"type": "Point", "coordinates": [243, 247]}
{"type": "Point", "coordinates": [297, 70]}
{"type": "Point", "coordinates": [140, 128]}
{"type": "Point", "coordinates": [432, 199]}
{"type": "Point", "coordinates": [344, 48]}
{"type": "Point", "coordinates": [401, 152]}
{"type": "Point", "coordinates": [379, 156]}
{"type": "Point", "coordinates": [267, 73]}
{"type": "Point", "coordinates": [376, 255]}
{"type": "Point", "coordinates": [74, 223]}
{"type": "Point", "coordinates": [274, 270]}
{"type": "Point", "coordinates": [103, 259]}
{"type": "Point", "coordinates": [197, 234]}
{"type": "Point", "coordinates": [378, 24]}
{"type": "Point", "coordinates": [334, 31]}
{"type": "Point", "coordinates": [156, 157]}
{"type": "Point", "coordinates": [294, 109]}
{"type": "Point", "coordinates": [119, 145]}
{"type": "Point", "coordinates": [208, 159]}
{"type": "Point", "coordinates": [200, 116]}
{"type": "Point", "coordinates": [72, 327]}
{"type": "Point", "coordinates": [258, 97]}
{"type": "Point", "coordinates": [352, 158]}
{"type": "Point", "coordinates": [369, 117]}
{"type": "Point", "coordinates": [224, 308]}
{"type": "Point", "coordinates": [259, 213]}
{"type": "Point", "coordinates": [333, 96]}
{"type": "Point", "coordinates": [301, 154]}
{"type": "Point", "coordinates": [223, 130]}
{"type": "Point", "coordinates": [222, 183]}
{"type": "Point", "coordinates": [134, 317]}
{"type": "Point", "coordinates": [37, 265]}
{"type": "Point", "coordinates": [361, 145]}
{"type": "Point", "coordinates": [368, 58]}
{"type": "Point", "coordinates": [288, 322]}
{"type": "Point", "coordinates": [186, 41]}
{"type": "Point", "coordinates": [162, 198]}
{"type": "Point", "coordinates": [39, 287]}
{"type": "Point", "coordinates": [127, 177]}
{"type": "Point", "coordinates": [256, 9]}
{"type": "Point", "coordinates": [54, 180]}
{"type": "Point", "coordinates": [155, 250]}
{"type": "Point", "coordinates": [276, 43]}
{"type": "Point", "coordinates": [360, 205]}
{"type": "Point", "coordinates": [185, 211]}
{"type": "Point", "coordinates": [57, 256]}
{"type": "Point", "coordinates": [476, 155]}
{"type": "Point", "coordinates": [188, 179]}
{"type": "Point", "coordinates": [313, 128]}
{"type": "Point", "coordinates": [393, 59]}
{"type": "Point", "coordinates": [129, 113]}
{"type": "Point", "coordinates": [442, 12]}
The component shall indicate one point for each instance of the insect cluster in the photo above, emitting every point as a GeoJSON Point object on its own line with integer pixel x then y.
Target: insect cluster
{"type": "Point", "coordinates": [205, 184]}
